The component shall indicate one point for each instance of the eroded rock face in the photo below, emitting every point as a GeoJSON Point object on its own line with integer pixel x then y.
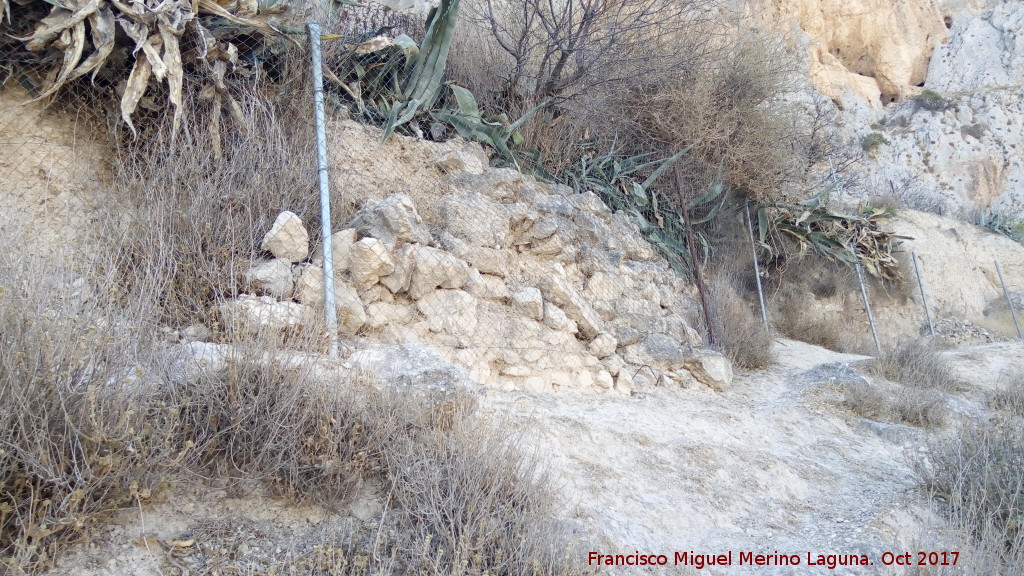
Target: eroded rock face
{"type": "Point", "coordinates": [416, 370]}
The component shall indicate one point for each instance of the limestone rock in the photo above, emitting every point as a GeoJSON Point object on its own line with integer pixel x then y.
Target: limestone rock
{"type": "Point", "coordinates": [393, 220]}
{"type": "Point", "coordinates": [381, 314]}
{"type": "Point", "coordinates": [433, 268]}
{"type": "Point", "coordinates": [557, 289]}
{"type": "Point", "coordinates": [555, 318]}
{"type": "Point", "coordinates": [487, 260]}
{"type": "Point", "coordinates": [194, 361]}
{"type": "Point", "coordinates": [309, 290]}
{"type": "Point", "coordinates": [627, 335]}
{"type": "Point", "coordinates": [398, 281]}
{"type": "Point", "coordinates": [711, 369]}
{"type": "Point", "coordinates": [287, 238]}
{"type": "Point", "coordinates": [485, 286]}
{"type": "Point", "coordinates": [657, 351]}
{"type": "Point", "coordinates": [476, 219]}
{"type": "Point", "coordinates": [254, 313]}
{"type": "Point", "coordinates": [529, 303]}
{"type": "Point", "coordinates": [419, 371]}
{"type": "Point", "coordinates": [624, 383]}
{"type": "Point", "coordinates": [602, 346]}
{"type": "Point", "coordinates": [498, 184]}
{"type": "Point", "coordinates": [604, 380]}
{"type": "Point", "coordinates": [271, 277]}
{"type": "Point", "coordinates": [369, 260]}
{"type": "Point", "coordinates": [449, 311]}
{"type": "Point", "coordinates": [341, 247]}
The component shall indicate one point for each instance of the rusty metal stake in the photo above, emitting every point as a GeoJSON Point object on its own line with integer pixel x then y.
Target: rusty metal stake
{"type": "Point", "coordinates": [924, 300]}
{"type": "Point", "coordinates": [1009, 301]}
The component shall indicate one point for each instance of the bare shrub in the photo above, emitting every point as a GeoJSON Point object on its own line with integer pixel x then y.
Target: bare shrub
{"type": "Point", "coordinates": [1010, 400]}
{"type": "Point", "coordinates": [917, 363]}
{"type": "Point", "coordinates": [477, 502]}
{"type": "Point", "coordinates": [976, 477]}
{"type": "Point", "coordinates": [191, 216]}
{"type": "Point", "coordinates": [796, 321]}
{"type": "Point", "coordinates": [645, 76]}
{"type": "Point", "coordinates": [74, 446]}
{"type": "Point", "coordinates": [739, 329]}
{"type": "Point", "coordinates": [921, 408]}
{"type": "Point", "coordinates": [867, 401]}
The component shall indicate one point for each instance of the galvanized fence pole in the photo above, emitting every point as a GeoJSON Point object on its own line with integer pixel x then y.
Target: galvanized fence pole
{"type": "Point", "coordinates": [330, 312]}
{"type": "Point", "coordinates": [867, 307]}
{"type": "Point", "coordinates": [757, 269]}
{"type": "Point", "coordinates": [1009, 301]}
{"type": "Point", "coordinates": [924, 299]}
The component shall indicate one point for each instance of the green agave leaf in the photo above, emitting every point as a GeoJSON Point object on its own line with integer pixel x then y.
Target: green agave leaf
{"type": "Point", "coordinates": [665, 166]}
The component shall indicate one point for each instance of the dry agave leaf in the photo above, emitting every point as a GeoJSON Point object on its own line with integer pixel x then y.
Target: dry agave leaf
{"type": "Point", "coordinates": [136, 87]}
{"type": "Point", "coordinates": [101, 27]}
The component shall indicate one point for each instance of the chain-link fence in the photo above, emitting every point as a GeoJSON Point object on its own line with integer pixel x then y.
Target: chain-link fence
{"type": "Point", "coordinates": [207, 200]}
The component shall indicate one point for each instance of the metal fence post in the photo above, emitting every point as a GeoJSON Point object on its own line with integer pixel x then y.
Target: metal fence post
{"type": "Point", "coordinates": [330, 312]}
{"type": "Point", "coordinates": [924, 299]}
{"type": "Point", "coordinates": [867, 306]}
{"type": "Point", "coordinates": [757, 269]}
{"type": "Point", "coordinates": [1009, 301]}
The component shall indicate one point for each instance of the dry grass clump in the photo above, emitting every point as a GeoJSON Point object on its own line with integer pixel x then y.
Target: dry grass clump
{"type": "Point", "coordinates": [94, 422]}
{"type": "Point", "coordinates": [921, 408]}
{"type": "Point", "coordinates": [189, 223]}
{"type": "Point", "coordinates": [796, 321]}
{"type": "Point", "coordinates": [916, 363]}
{"type": "Point", "coordinates": [739, 330]}
{"type": "Point", "coordinates": [921, 377]}
{"type": "Point", "coordinates": [74, 445]}
{"type": "Point", "coordinates": [1011, 400]}
{"type": "Point", "coordinates": [977, 476]}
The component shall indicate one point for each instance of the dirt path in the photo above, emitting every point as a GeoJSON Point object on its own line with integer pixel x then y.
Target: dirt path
{"type": "Point", "coordinates": [773, 466]}
{"type": "Point", "coordinates": [770, 465]}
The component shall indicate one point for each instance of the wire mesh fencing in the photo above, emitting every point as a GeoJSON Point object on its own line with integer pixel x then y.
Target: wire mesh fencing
{"type": "Point", "coordinates": [187, 163]}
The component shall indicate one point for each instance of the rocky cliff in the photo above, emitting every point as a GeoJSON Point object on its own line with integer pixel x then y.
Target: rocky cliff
{"type": "Point", "coordinates": [940, 81]}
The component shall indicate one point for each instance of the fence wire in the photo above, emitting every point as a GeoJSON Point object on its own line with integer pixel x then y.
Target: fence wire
{"type": "Point", "coordinates": [520, 282]}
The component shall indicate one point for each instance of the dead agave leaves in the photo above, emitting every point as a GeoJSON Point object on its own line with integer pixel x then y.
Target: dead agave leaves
{"type": "Point", "coordinates": [156, 28]}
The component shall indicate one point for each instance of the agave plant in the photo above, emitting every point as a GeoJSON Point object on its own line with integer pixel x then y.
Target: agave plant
{"type": "Point", "coordinates": [846, 238]}
{"type": "Point", "coordinates": [84, 33]}
{"type": "Point", "coordinates": [616, 179]}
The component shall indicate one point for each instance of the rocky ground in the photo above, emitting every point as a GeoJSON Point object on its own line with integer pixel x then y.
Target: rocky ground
{"type": "Point", "coordinates": [773, 465]}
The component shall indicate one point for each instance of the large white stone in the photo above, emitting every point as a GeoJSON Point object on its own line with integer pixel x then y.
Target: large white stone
{"type": "Point", "coordinates": [194, 361]}
{"type": "Point", "coordinates": [555, 318]}
{"type": "Point", "coordinates": [255, 313]}
{"type": "Point", "coordinates": [711, 369]}
{"type": "Point", "coordinates": [370, 259]}
{"type": "Point", "coordinates": [450, 311]}
{"type": "Point", "coordinates": [271, 277]}
{"type": "Point", "coordinates": [602, 346]}
{"type": "Point", "coordinates": [309, 290]}
{"type": "Point", "coordinates": [556, 288]}
{"type": "Point", "coordinates": [485, 286]}
{"type": "Point", "coordinates": [287, 238]}
{"type": "Point", "coordinates": [393, 220]}
{"type": "Point", "coordinates": [381, 314]}
{"type": "Point", "coordinates": [476, 219]}
{"type": "Point", "coordinates": [434, 268]}
{"type": "Point", "coordinates": [341, 247]}
{"type": "Point", "coordinates": [528, 302]}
